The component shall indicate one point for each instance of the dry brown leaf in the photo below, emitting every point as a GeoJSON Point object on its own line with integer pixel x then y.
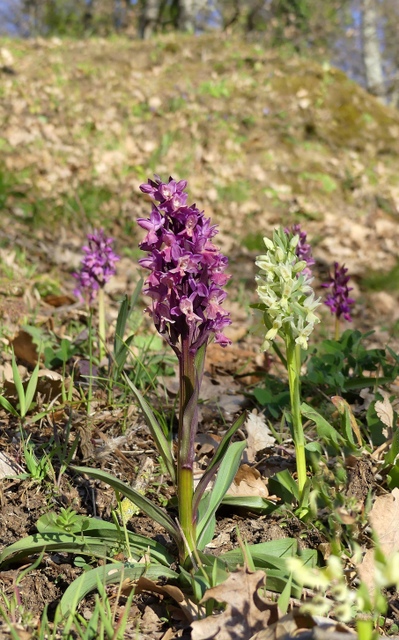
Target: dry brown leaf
{"type": "Point", "coordinates": [246, 612]}
{"type": "Point", "coordinates": [8, 466]}
{"type": "Point", "coordinates": [384, 518]}
{"type": "Point", "coordinates": [189, 609]}
{"type": "Point", "coordinates": [59, 301]}
{"type": "Point", "coordinates": [259, 435]}
{"type": "Point", "coordinates": [384, 411]}
{"type": "Point", "coordinates": [248, 482]}
{"type": "Point", "coordinates": [25, 349]}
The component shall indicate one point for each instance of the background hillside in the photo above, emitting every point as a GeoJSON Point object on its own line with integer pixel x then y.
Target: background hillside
{"type": "Point", "coordinates": [262, 137]}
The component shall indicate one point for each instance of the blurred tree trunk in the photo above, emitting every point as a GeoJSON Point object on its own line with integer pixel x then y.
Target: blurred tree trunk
{"type": "Point", "coordinates": [372, 58]}
{"type": "Point", "coordinates": [187, 13]}
{"type": "Point", "coordinates": [149, 16]}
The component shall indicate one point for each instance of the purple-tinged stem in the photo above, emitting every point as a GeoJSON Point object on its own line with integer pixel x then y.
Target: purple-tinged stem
{"type": "Point", "coordinates": [188, 420]}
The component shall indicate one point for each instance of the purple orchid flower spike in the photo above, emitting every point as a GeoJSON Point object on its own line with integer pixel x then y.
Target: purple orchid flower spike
{"type": "Point", "coordinates": [303, 248]}
{"type": "Point", "coordinates": [98, 266]}
{"type": "Point", "coordinates": [338, 300]}
{"type": "Point", "coordinates": [187, 269]}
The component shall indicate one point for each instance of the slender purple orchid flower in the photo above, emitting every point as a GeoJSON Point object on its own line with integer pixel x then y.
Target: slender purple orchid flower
{"type": "Point", "coordinates": [303, 249]}
{"type": "Point", "coordinates": [187, 269]}
{"type": "Point", "coordinates": [338, 300]}
{"type": "Point", "coordinates": [98, 266]}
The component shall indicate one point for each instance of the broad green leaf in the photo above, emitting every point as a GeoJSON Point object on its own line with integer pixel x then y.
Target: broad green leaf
{"type": "Point", "coordinates": [270, 556]}
{"type": "Point", "coordinates": [266, 554]}
{"type": "Point", "coordinates": [110, 574]}
{"type": "Point", "coordinates": [287, 482]}
{"type": "Point", "coordinates": [225, 477]}
{"type": "Point", "coordinates": [209, 531]}
{"type": "Point", "coordinates": [156, 430]}
{"type": "Point", "coordinates": [99, 542]}
{"type": "Point", "coordinates": [217, 459]}
{"type": "Point", "coordinates": [69, 543]}
{"type": "Point", "coordinates": [143, 503]}
{"type": "Point", "coordinates": [255, 504]}
{"type": "Point", "coordinates": [107, 532]}
{"type": "Point", "coordinates": [324, 429]}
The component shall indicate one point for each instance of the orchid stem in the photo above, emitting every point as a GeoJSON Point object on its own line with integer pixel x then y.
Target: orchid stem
{"type": "Point", "coordinates": [185, 463]}
{"type": "Point", "coordinates": [337, 329]}
{"type": "Point", "coordinates": [90, 391]}
{"type": "Point", "coordinates": [101, 322]}
{"type": "Point", "coordinates": [294, 368]}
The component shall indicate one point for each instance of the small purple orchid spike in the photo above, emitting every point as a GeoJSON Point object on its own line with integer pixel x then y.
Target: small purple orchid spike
{"type": "Point", "coordinates": [187, 269]}
{"type": "Point", "coordinates": [338, 300]}
{"type": "Point", "coordinates": [303, 248]}
{"type": "Point", "coordinates": [98, 266]}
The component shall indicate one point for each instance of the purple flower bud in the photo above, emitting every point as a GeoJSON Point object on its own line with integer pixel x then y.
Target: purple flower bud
{"type": "Point", "coordinates": [98, 266]}
{"type": "Point", "coordinates": [338, 300]}
{"type": "Point", "coordinates": [303, 249]}
{"type": "Point", "coordinates": [187, 269]}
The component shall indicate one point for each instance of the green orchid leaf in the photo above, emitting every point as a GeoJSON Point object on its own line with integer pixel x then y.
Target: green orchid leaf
{"type": "Point", "coordinates": [324, 429]}
{"type": "Point", "coordinates": [216, 460]}
{"type": "Point", "coordinates": [143, 503]}
{"type": "Point", "coordinates": [284, 485]}
{"type": "Point", "coordinates": [209, 530]}
{"type": "Point", "coordinates": [65, 542]}
{"type": "Point", "coordinates": [108, 532]}
{"type": "Point", "coordinates": [254, 504]}
{"type": "Point", "coordinates": [271, 556]}
{"type": "Point", "coordinates": [156, 431]}
{"type": "Point", "coordinates": [98, 540]}
{"type": "Point", "coordinates": [110, 574]}
{"type": "Point", "coordinates": [225, 477]}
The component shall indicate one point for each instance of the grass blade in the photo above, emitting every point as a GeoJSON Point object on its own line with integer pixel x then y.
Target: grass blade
{"type": "Point", "coordinates": [19, 386]}
{"type": "Point", "coordinates": [31, 388]}
{"type": "Point", "coordinates": [156, 431]}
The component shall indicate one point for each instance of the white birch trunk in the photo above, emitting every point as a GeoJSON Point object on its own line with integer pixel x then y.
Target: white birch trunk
{"type": "Point", "coordinates": [149, 18]}
{"type": "Point", "coordinates": [371, 49]}
{"type": "Point", "coordinates": [187, 15]}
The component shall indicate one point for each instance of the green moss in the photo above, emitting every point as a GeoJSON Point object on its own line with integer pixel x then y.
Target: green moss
{"type": "Point", "coordinates": [253, 242]}
{"type": "Point", "coordinates": [382, 280]}
{"type": "Point", "coordinates": [327, 183]}
{"type": "Point", "coordinates": [235, 192]}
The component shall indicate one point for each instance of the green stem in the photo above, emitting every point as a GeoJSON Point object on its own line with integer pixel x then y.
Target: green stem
{"type": "Point", "coordinates": [90, 391]}
{"type": "Point", "coordinates": [294, 369]}
{"type": "Point", "coordinates": [337, 329]}
{"type": "Point", "coordinates": [185, 461]}
{"type": "Point", "coordinates": [101, 323]}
